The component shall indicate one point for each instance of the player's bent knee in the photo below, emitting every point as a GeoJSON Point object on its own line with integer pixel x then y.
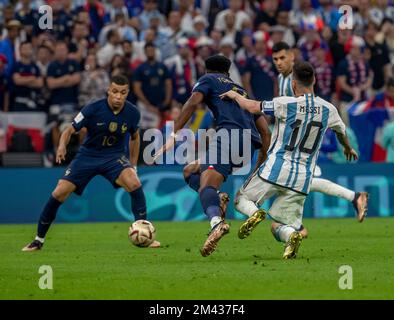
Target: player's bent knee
{"type": "Point", "coordinates": [63, 190]}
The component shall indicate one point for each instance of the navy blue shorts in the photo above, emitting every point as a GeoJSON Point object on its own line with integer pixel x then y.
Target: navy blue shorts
{"type": "Point", "coordinates": [225, 162]}
{"type": "Point", "coordinates": [84, 168]}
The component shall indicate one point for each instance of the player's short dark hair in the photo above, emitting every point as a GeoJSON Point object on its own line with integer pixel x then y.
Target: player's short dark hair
{"type": "Point", "coordinates": [280, 46]}
{"type": "Point", "coordinates": [218, 63]}
{"type": "Point", "coordinates": [303, 73]}
{"type": "Point", "coordinates": [120, 80]}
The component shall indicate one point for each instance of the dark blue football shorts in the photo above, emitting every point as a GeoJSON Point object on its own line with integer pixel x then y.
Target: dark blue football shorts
{"type": "Point", "coordinates": [84, 168]}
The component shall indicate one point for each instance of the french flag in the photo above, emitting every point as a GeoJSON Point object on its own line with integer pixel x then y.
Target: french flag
{"type": "Point", "coordinates": [367, 119]}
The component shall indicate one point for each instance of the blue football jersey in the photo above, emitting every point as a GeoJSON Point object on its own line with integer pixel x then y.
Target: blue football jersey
{"type": "Point", "coordinates": [227, 113]}
{"type": "Point", "coordinates": [106, 130]}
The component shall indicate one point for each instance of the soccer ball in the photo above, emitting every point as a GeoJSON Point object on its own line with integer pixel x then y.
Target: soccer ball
{"type": "Point", "coordinates": [142, 233]}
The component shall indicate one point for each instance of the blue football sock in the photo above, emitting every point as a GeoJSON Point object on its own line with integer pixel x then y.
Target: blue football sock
{"type": "Point", "coordinates": [47, 216]}
{"type": "Point", "coordinates": [193, 181]}
{"type": "Point", "coordinates": [210, 202]}
{"type": "Point", "coordinates": [138, 204]}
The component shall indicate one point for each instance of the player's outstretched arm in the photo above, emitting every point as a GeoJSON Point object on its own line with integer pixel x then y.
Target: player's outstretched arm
{"type": "Point", "coordinates": [252, 106]}
{"type": "Point", "coordinates": [348, 151]}
{"type": "Point", "coordinates": [187, 111]}
{"type": "Point", "coordinates": [64, 140]}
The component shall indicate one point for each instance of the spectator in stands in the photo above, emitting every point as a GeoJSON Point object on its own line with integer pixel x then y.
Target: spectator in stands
{"type": "Point", "coordinates": [96, 12]}
{"type": "Point", "coordinates": [187, 12]}
{"type": "Point", "coordinates": [386, 35]}
{"type": "Point", "coordinates": [28, 17]}
{"type": "Point", "coordinates": [305, 17]}
{"type": "Point", "coordinates": [79, 43]}
{"type": "Point", "coordinates": [235, 7]}
{"type": "Point", "coordinates": [204, 50]}
{"type": "Point", "coordinates": [152, 76]}
{"type": "Point", "coordinates": [309, 42]}
{"type": "Point", "coordinates": [324, 85]}
{"type": "Point", "coordinates": [4, 93]}
{"type": "Point", "coordinates": [183, 71]}
{"type": "Point", "coordinates": [9, 46]}
{"type": "Point", "coordinates": [8, 14]}
{"type": "Point", "coordinates": [229, 31]}
{"type": "Point", "coordinates": [200, 26]}
{"type": "Point", "coordinates": [171, 34]}
{"type": "Point", "coordinates": [111, 48]}
{"type": "Point", "coordinates": [267, 14]}
{"type": "Point", "coordinates": [361, 17]}
{"type": "Point", "coordinates": [339, 45]}
{"type": "Point", "coordinates": [63, 79]}
{"type": "Point", "coordinates": [354, 73]}
{"type": "Point", "coordinates": [210, 9]}
{"type": "Point", "coordinates": [289, 36]}
{"type": "Point", "coordinates": [216, 37]}
{"type": "Point", "coordinates": [276, 35]}
{"type": "Point", "coordinates": [227, 48]}
{"type": "Point", "coordinates": [150, 10]}
{"type": "Point", "coordinates": [119, 66]}
{"type": "Point", "coordinates": [44, 57]}
{"type": "Point", "coordinates": [379, 60]}
{"type": "Point", "coordinates": [138, 56]}
{"type": "Point", "coordinates": [259, 78]}
{"type": "Point", "coordinates": [26, 81]}
{"type": "Point", "coordinates": [116, 8]}
{"type": "Point", "coordinates": [246, 50]}
{"type": "Point", "coordinates": [94, 82]}
{"type": "Point", "coordinates": [330, 13]}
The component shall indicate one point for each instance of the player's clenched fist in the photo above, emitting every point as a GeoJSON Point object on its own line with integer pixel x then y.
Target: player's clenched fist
{"type": "Point", "coordinates": [61, 154]}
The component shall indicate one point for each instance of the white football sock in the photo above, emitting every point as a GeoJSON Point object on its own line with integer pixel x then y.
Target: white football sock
{"type": "Point", "coordinates": [284, 232]}
{"type": "Point", "coordinates": [245, 206]}
{"type": "Point", "coordinates": [327, 187]}
{"type": "Point", "coordinates": [40, 239]}
{"type": "Point", "coordinates": [215, 220]}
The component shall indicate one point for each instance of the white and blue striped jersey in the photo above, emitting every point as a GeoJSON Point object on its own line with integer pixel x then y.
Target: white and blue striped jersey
{"type": "Point", "coordinates": [296, 138]}
{"type": "Point", "coordinates": [285, 88]}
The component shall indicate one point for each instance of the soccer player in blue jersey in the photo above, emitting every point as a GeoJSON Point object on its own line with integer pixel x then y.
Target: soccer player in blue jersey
{"type": "Point", "coordinates": [210, 175]}
{"type": "Point", "coordinates": [300, 124]}
{"type": "Point", "coordinates": [284, 60]}
{"type": "Point", "coordinates": [107, 121]}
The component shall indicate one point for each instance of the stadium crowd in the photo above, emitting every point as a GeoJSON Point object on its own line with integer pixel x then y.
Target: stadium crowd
{"type": "Point", "coordinates": [161, 46]}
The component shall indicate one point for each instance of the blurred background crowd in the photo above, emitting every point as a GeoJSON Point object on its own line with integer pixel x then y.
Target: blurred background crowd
{"type": "Point", "coordinates": [47, 76]}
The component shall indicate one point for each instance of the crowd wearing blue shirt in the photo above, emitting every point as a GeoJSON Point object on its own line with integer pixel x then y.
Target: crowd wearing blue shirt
{"type": "Point", "coordinates": [202, 26]}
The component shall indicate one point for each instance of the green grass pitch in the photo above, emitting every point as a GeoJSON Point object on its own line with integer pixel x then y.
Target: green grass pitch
{"type": "Point", "coordinates": [96, 261]}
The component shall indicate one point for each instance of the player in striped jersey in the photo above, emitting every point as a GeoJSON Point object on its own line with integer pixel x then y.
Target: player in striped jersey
{"type": "Point", "coordinates": [284, 60]}
{"type": "Point", "coordinates": [301, 122]}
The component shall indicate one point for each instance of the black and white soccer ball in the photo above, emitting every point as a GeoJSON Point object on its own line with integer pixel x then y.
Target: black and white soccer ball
{"type": "Point", "coordinates": [142, 233]}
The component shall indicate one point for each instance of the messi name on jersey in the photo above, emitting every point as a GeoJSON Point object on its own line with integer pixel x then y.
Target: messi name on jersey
{"type": "Point", "coordinates": [309, 109]}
